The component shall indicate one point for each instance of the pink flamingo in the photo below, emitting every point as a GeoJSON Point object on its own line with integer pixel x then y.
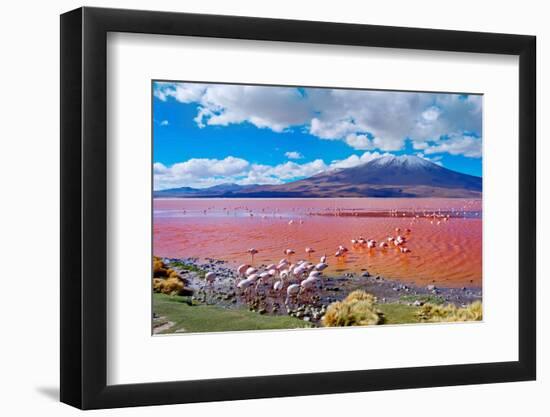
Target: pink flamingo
{"type": "Point", "coordinates": [292, 291]}
{"type": "Point", "coordinates": [321, 266]}
{"type": "Point", "coordinates": [252, 252]}
{"type": "Point", "coordinates": [289, 253]}
{"type": "Point", "coordinates": [241, 270]}
{"type": "Point", "coordinates": [309, 251]}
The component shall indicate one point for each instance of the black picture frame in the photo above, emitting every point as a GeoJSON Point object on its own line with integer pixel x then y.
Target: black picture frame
{"type": "Point", "coordinates": [84, 207]}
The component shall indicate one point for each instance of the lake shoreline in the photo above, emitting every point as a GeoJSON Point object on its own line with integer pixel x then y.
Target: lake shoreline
{"type": "Point", "coordinates": [223, 292]}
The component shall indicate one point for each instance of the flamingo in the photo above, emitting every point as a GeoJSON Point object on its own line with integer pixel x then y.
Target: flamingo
{"type": "Point", "coordinates": [315, 274]}
{"type": "Point", "coordinates": [404, 250]}
{"type": "Point", "coordinates": [323, 259]}
{"type": "Point", "coordinates": [309, 251]}
{"type": "Point", "coordinates": [241, 270]}
{"type": "Point", "coordinates": [278, 286]}
{"type": "Point", "coordinates": [250, 271]}
{"type": "Point", "coordinates": [321, 266]}
{"type": "Point", "coordinates": [253, 277]}
{"type": "Point", "coordinates": [245, 283]}
{"type": "Point", "coordinates": [252, 252]}
{"type": "Point", "coordinates": [292, 291]}
{"type": "Point", "coordinates": [383, 245]}
{"type": "Point", "coordinates": [371, 243]}
{"type": "Point", "coordinates": [289, 252]}
{"type": "Point", "coordinates": [210, 277]}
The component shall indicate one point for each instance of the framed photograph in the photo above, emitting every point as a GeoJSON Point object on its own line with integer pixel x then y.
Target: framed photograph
{"type": "Point", "coordinates": [258, 208]}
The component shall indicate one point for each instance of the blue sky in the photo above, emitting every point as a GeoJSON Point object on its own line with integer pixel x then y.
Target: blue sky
{"type": "Point", "coordinates": [208, 134]}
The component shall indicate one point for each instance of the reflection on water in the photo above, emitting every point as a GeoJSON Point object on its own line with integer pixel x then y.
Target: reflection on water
{"type": "Point", "coordinates": [445, 236]}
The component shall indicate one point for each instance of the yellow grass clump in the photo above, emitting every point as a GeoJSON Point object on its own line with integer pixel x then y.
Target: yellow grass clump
{"type": "Point", "coordinates": [450, 313]}
{"type": "Point", "coordinates": [159, 269]}
{"type": "Point", "coordinates": [168, 281]}
{"type": "Point", "coordinates": [360, 295]}
{"type": "Point", "coordinates": [357, 309]}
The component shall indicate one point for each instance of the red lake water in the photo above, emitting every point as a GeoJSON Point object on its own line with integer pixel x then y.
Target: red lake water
{"type": "Point", "coordinates": [445, 238]}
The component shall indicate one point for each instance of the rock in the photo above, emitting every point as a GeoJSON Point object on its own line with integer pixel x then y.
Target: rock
{"type": "Point", "coordinates": [365, 274]}
{"type": "Point", "coordinates": [262, 311]}
{"type": "Point", "coordinates": [430, 287]}
{"type": "Point", "coordinates": [418, 303]}
{"type": "Point", "coordinates": [307, 318]}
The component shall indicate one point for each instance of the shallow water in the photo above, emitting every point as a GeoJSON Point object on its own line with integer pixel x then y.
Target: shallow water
{"type": "Point", "coordinates": [444, 252]}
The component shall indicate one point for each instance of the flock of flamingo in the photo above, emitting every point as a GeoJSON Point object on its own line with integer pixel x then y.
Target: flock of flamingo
{"type": "Point", "coordinates": [303, 277]}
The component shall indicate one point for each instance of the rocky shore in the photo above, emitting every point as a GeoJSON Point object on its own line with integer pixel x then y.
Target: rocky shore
{"type": "Point", "coordinates": [223, 292]}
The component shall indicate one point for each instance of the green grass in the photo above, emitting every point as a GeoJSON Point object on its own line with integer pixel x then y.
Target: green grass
{"type": "Point", "coordinates": [188, 267]}
{"type": "Point", "coordinates": [208, 318]}
{"type": "Point", "coordinates": [395, 313]}
{"type": "Point", "coordinates": [425, 298]}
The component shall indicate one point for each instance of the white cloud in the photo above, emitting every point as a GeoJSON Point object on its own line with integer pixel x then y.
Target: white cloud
{"type": "Point", "coordinates": [353, 116]}
{"type": "Point", "coordinates": [203, 172]}
{"type": "Point", "coordinates": [359, 142]}
{"type": "Point", "coordinates": [294, 155]}
{"type": "Point", "coordinates": [355, 160]}
{"type": "Point", "coordinates": [431, 114]}
{"type": "Point", "coordinates": [469, 146]}
{"type": "Point", "coordinates": [435, 159]}
{"type": "Point", "coordinates": [164, 123]}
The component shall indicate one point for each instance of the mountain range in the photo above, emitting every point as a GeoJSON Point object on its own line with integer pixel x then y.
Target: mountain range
{"type": "Point", "coordinates": [386, 176]}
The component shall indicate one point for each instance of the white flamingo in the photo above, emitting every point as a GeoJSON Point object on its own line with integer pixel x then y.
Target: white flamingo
{"type": "Point", "coordinates": [321, 266]}
{"type": "Point", "coordinates": [241, 270]}
{"type": "Point", "coordinates": [292, 291]}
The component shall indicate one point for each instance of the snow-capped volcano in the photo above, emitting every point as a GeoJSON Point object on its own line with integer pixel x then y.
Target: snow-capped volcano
{"type": "Point", "coordinates": [387, 176]}
{"type": "Point", "coordinates": [410, 161]}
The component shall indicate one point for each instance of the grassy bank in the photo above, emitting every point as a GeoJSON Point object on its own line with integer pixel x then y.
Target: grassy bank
{"type": "Point", "coordinates": [395, 313]}
{"type": "Point", "coordinates": [209, 318]}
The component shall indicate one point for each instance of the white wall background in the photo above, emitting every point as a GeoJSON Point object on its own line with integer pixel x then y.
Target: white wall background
{"type": "Point", "coordinates": [29, 225]}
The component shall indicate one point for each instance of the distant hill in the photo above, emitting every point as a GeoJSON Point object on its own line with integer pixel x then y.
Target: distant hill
{"type": "Point", "coordinates": [387, 176]}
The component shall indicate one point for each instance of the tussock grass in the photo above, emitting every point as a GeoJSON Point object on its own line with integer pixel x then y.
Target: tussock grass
{"type": "Point", "coordinates": [357, 309]}
{"type": "Point", "coordinates": [360, 295]}
{"type": "Point", "coordinates": [450, 313]}
{"type": "Point", "coordinates": [168, 281]}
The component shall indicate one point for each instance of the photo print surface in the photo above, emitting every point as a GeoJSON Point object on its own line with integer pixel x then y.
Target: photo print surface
{"type": "Point", "coordinates": [286, 207]}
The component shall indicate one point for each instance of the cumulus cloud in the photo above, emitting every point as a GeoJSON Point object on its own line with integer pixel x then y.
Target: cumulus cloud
{"type": "Point", "coordinates": [205, 172]}
{"type": "Point", "coordinates": [355, 160]}
{"type": "Point", "coordinates": [363, 119]}
{"type": "Point", "coordinates": [293, 155]}
{"type": "Point", "coordinates": [164, 123]}
{"type": "Point", "coordinates": [435, 159]}
{"type": "Point", "coordinates": [466, 145]}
